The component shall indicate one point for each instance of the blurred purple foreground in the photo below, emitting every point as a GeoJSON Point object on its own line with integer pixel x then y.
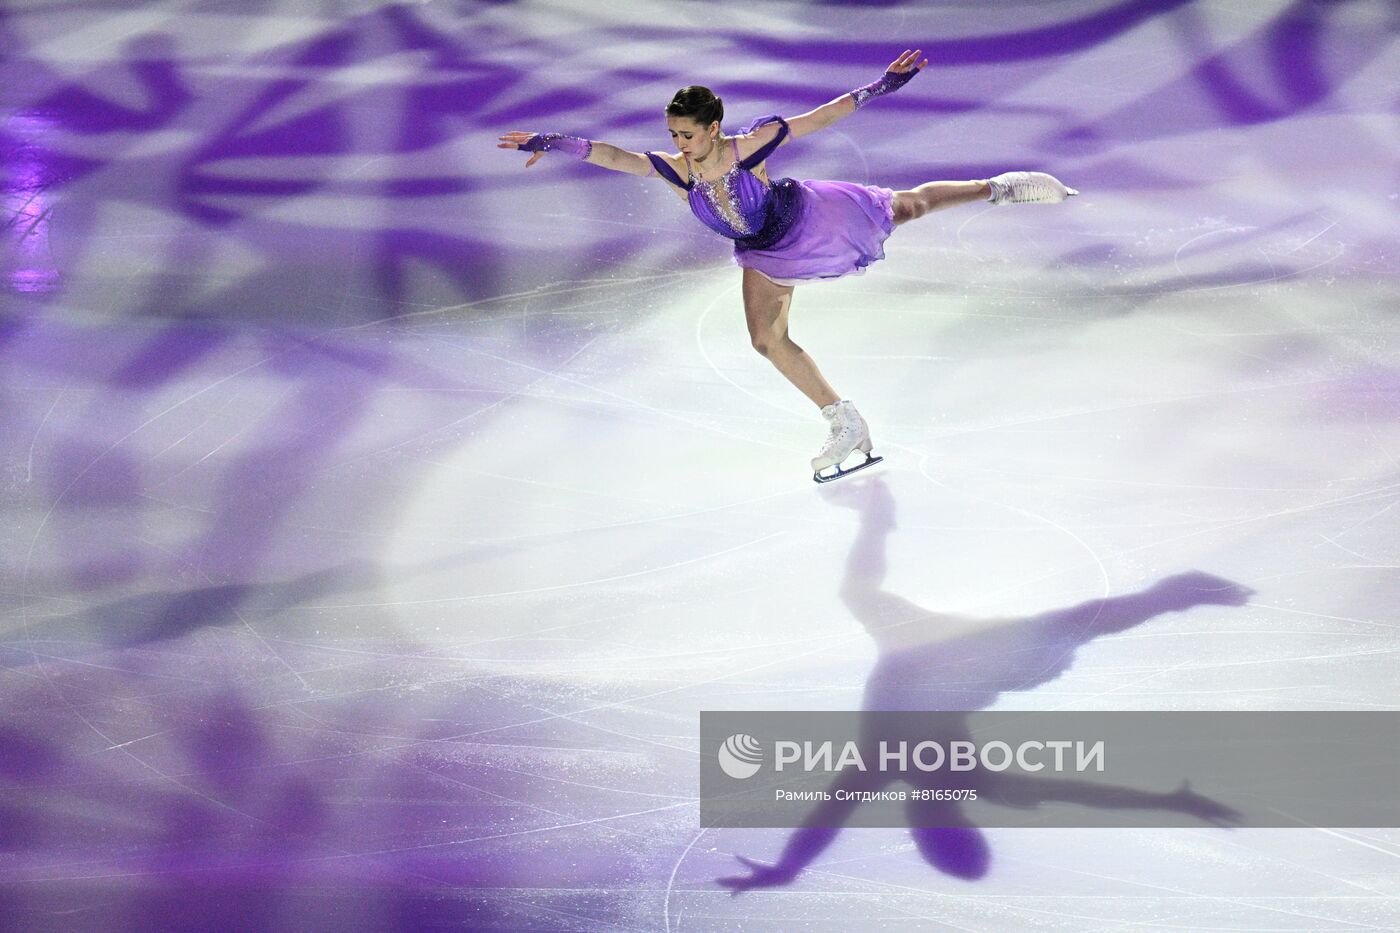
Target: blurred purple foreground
{"type": "Point", "coordinates": [379, 515]}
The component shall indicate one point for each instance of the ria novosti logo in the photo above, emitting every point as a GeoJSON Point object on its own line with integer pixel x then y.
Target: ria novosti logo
{"type": "Point", "coordinates": [740, 756]}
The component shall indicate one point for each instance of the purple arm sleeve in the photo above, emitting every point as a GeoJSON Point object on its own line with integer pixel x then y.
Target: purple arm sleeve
{"type": "Point", "coordinates": [889, 81]}
{"type": "Point", "coordinates": [558, 142]}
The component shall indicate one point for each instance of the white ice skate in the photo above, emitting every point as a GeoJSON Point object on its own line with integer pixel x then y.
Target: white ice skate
{"type": "Point", "coordinates": [1028, 188]}
{"type": "Point", "coordinates": [849, 433]}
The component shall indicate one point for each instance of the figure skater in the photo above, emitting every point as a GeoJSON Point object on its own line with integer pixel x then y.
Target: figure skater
{"type": "Point", "coordinates": [786, 232]}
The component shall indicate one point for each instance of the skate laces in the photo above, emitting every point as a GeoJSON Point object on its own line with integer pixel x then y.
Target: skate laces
{"type": "Point", "coordinates": [840, 435]}
{"type": "Point", "coordinates": [1027, 187]}
{"type": "Point", "coordinates": [1034, 189]}
{"type": "Point", "coordinates": [844, 430]}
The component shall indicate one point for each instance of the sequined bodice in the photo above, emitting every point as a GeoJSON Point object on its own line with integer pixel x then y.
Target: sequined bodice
{"type": "Point", "coordinates": [739, 204]}
{"type": "Point", "coordinates": [734, 205]}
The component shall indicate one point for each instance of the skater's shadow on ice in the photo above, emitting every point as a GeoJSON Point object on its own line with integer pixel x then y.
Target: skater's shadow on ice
{"type": "Point", "coordinates": [954, 665]}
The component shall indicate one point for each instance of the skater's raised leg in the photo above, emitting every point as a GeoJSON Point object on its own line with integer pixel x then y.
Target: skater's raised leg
{"type": "Point", "coordinates": [935, 196]}
{"type": "Point", "coordinates": [1007, 188]}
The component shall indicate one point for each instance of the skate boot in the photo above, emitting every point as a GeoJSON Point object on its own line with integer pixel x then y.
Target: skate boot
{"type": "Point", "coordinates": [1028, 188]}
{"type": "Point", "coordinates": [849, 433]}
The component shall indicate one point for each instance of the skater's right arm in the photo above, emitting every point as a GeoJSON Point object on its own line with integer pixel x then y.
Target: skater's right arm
{"type": "Point", "coordinates": [621, 160]}
{"type": "Point", "coordinates": [601, 154]}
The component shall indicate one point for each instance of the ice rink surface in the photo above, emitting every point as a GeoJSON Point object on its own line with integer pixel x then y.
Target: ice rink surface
{"type": "Point", "coordinates": [380, 515]}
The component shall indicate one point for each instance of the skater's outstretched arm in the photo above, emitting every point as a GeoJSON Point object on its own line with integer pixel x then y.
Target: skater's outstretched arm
{"type": "Point", "coordinates": [900, 71]}
{"type": "Point", "coordinates": [598, 153]}
{"type": "Point", "coordinates": [808, 841]}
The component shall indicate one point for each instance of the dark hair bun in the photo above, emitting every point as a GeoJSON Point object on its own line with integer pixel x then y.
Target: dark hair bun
{"type": "Point", "coordinates": [697, 103]}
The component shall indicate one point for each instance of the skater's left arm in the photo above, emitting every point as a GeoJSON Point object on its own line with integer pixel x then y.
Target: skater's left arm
{"type": "Point", "coordinates": [899, 72]}
{"type": "Point", "coordinates": [805, 124]}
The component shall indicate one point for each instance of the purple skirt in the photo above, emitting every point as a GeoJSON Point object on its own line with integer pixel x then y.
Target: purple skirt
{"type": "Point", "coordinates": [841, 230]}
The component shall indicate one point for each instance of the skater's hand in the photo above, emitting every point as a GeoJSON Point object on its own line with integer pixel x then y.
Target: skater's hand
{"type": "Point", "coordinates": [906, 62]}
{"type": "Point", "coordinates": [761, 876]}
{"type": "Point", "coordinates": [516, 139]}
{"type": "Point", "coordinates": [901, 71]}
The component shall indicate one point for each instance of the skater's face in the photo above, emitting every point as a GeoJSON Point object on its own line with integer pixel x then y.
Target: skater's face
{"type": "Point", "coordinates": [691, 138]}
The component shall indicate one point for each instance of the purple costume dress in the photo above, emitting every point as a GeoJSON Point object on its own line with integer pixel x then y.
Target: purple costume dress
{"type": "Point", "coordinates": [790, 231]}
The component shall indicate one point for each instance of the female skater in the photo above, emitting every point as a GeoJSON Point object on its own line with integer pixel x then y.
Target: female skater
{"type": "Point", "coordinates": [786, 232]}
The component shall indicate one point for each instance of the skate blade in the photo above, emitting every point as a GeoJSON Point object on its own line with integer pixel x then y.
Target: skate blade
{"type": "Point", "coordinates": [1071, 192]}
{"type": "Point", "coordinates": [870, 460]}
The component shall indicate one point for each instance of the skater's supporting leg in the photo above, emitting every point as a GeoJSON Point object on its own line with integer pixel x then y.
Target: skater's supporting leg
{"type": "Point", "coordinates": [766, 307]}
{"type": "Point", "coordinates": [936, 195]}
